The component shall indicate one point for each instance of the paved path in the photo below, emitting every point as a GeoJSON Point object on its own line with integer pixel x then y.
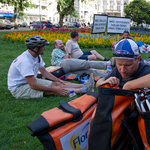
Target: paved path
{"type": "Point", "coordinates": [19, 29]}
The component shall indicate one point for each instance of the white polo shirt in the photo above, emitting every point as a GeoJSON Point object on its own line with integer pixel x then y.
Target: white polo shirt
{"type": "Point", "coordinates": [24, 65]}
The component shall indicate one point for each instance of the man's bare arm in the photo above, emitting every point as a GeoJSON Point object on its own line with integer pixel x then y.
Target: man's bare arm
{"type": "Point", "coordinates": [143, 82]}
{"type": "Point", "coordinates": [57, 90]}
{"type": "Point", "coordinates": [36, 86]}
{"type": "Point", "coordinates": [100, 82]}
{"type": "Point", "coordinates": [112, 81]}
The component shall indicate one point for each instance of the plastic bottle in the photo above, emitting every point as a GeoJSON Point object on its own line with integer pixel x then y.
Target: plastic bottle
{"type": "Point", "coordinates": [72, 95]}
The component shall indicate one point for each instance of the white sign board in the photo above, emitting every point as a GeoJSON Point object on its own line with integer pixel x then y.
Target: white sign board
{"type": "Point", "coordinates": [99, 24]}
{"type": "Point", "coordinates": [118, 25]}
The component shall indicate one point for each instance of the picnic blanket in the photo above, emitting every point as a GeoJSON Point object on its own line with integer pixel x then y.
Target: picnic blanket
{"type": "Point", "coordinates": [103, 71]}
{"type": "Point", "coordinates": [143, 48]}
{"type": "Point", "coordinates": [71, 76]}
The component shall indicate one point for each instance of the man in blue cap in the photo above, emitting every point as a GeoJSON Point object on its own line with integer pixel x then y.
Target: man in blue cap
{"type": "Point", "coordinates": [130, 72]}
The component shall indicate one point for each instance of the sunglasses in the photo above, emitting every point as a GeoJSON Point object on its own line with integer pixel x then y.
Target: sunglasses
{"type": "Point", "coordinates": [124, 55]}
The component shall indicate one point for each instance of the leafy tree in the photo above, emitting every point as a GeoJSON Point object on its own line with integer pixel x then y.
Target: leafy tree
{"type": "Point", "coordinates": [19, 6]}
{"type": "Point", "coordinates": [138, 11]}
{"type": "Point", "coordinates": [65, 8]}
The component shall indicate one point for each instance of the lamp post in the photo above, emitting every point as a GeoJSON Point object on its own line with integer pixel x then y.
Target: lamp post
{"type": "Point", "coordinates": [40, 12]}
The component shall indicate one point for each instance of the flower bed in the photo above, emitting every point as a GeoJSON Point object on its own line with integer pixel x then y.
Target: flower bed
{"type": "Point", "coordinates": [86, 38]}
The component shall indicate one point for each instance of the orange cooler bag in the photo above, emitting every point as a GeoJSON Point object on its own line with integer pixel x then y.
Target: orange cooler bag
{"type": "Point", "coordinates": [114, 123]}
{"type": "Point", "coordinates": [65, 127]}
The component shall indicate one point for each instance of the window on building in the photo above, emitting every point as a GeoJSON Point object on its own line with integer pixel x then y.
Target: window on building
{"type": "Point", "coordinates": [95, 7]}
{"type": "Point", "coordinates": [125, 4]}
{"type": "Point", "coordinates": [98, 7]}
{"type": "Point", "coordinates": [111, 5]}
{"type": "Point", "coordinates": [77, 2]}
{"type": "Point", "coordinates": [118, 6]}
{"type": "Point", "coordinates": [43, 7]}
{"type": "Point", "coordinates": [104, 6]}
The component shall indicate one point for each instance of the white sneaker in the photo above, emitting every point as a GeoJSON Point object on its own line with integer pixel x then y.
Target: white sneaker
{"type": "Point", "coordinates": [90, 83]}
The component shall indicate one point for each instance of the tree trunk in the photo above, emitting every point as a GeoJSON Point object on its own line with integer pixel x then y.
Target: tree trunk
{"type": "Point", "coordinates": [61, 18]}
{"type": "Point", "coordinates": [15, 16]}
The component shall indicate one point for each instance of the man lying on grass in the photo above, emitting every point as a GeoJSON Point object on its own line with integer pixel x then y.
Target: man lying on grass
{"type": "Point", "coordinates": [60, 57]}
{"type": "Point", "coordinates": [22, 81]}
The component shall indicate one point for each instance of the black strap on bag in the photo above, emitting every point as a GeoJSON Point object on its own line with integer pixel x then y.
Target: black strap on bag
{"type": "Point", "coordinates": [119, 140]}
{"type": "Point", "coordinates": [127, 123]}
{"type": "Point", "coordinates": [76, 112]}
{"type": "Point", "coordinates": [126, 144]}
{"type": "Point", "coordinates": [107, 91]}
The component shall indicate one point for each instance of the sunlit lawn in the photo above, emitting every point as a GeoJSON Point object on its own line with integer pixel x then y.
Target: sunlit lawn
{"type": "Point", "coordinates": [16, 114]}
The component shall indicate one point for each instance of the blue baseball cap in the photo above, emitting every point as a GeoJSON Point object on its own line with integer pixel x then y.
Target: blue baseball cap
{"type": "Point", "coordinates": [126, 49]}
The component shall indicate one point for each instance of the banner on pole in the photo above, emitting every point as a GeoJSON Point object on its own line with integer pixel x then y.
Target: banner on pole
{"type": "Point", "coordinates": [99, 23]}
{"type": "Point", "coordinates": [118, 25]}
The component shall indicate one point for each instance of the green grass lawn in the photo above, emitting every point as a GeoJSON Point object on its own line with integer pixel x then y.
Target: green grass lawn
{"type": "Point", "coordinates": [16, 114]}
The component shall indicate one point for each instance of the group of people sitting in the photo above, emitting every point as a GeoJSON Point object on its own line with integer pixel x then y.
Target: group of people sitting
{"type": "Point", "coordinates": [72, 59]}
{"type": "Point", "coordinates": [129, 73]}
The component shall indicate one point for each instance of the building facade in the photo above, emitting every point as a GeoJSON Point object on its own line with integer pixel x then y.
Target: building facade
{"type": "Point", "coordinates": [47, 10]}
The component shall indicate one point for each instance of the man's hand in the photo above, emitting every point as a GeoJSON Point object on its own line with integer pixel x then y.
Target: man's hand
{"type": "Point", "coordinates": [66, 51]}
{"type": "Point", "coordinates": [59, 91]}
{"type": "Point", "coordinates": [61, 81]}
{"type": "Point", "coordinates": [112, 81]}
